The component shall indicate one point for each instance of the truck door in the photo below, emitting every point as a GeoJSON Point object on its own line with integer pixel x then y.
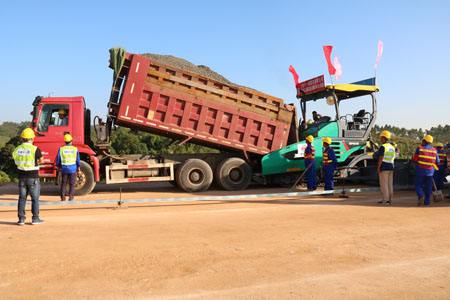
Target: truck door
{"type": "Point", "coordinates": [54, 121]}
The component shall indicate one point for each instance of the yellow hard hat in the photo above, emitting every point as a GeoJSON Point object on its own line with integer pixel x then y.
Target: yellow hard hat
{"type": "Point", "coordinates": [310, 122]}
{"type": "Point", "coordinates": [428, 138]}
{"type": "Point", "coordinates": [67, 138]}
{"type": "Point", "coordinates": [27, 133]}
{"type": "Point", "coordinates": [327, 140]}
{"type": "Point", "coordinates": [62, 111]}
{"type": "Point", "coordinates": [310, 138]}
{"type": "Point", "coordinates": [385, 134]}
{"type": "Point", "coordinates": [439, 145]}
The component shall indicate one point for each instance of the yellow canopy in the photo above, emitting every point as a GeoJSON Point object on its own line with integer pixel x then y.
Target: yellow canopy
{"type": "Point", "coordinates": [350, 88]}
{"type": "Point", "coordinates": [343, 91]}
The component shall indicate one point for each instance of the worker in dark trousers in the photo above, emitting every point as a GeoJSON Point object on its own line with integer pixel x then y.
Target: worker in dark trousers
{"type": "Point", "coordinates": [310, 164]}
{"type": "Point", "coordinates": [439, 175]}
{"type": "Point", "coordinates": [27, 158]}
{"type": "Point", "coordinates": [385, 157]}
{"type": "Point", "coordinates": [329, 163]}
{"type": "Point", "coordinates": [68, 162]}
{"type": "Point", "coordinates": [426, 159]}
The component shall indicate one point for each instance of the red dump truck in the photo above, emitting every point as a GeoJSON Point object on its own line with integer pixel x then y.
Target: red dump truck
{"type": "Point", "coordinates": [244, 124]}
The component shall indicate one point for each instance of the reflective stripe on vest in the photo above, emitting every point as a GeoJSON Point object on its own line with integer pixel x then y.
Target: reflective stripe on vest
{"type": "Point", "coordinates": [24, 157]}
{"type": "Point", "coordinates": [389, 153]}
{"type": "Point", "coordinates": [325, 158]}
{"type": "Point", "coordinates": [426, 159]}
{"type": "Point", "coordinates": [68, 155]}
{"type": "Point", "coordinates": [311, 155]}
{"type": "Point", "coordinates": [442, 157]}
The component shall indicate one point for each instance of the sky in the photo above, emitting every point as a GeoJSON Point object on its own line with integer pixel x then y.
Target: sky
{"type": "Point", "coordinates": [60, 48]}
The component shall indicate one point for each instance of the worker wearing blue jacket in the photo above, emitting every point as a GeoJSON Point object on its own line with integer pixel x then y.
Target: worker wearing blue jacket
{"type": "Point", "coordinates": [426, 159]}
{"type": "Point", "coordinates": [439, 175]}
{"type": "Point", "coordinates": [68, 162]}
{"type": "Point", "coordinates": [329, 163]}
{"type": "Point", "coordinates": [310, 164]}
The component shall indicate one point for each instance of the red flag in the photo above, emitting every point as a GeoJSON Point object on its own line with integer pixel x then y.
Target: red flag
{"type": "Point", "coordinates": [327, 52]}
{"type": "Point", "coordinates": [295, 75]}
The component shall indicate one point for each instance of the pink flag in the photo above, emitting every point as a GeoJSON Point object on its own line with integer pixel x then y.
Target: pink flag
{"type": "Point", "coordinates": [338, 66]}
{"type": "Point", "coordinates": [380, 53]}
{"type": "Point", "coordinates": [295, 75]}
{"type": "Point", "coordinates": [327, 52]}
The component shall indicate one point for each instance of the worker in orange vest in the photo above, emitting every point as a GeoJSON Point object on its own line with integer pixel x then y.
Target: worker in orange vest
{"type": "Point", "coordinates": [439, 175]}
{"type": "Point", "coordinates": [329, 163]}
{"type": "Point", "coordinates": [426, 159]}
{"type": "Point", "coordinates": [310, 164]}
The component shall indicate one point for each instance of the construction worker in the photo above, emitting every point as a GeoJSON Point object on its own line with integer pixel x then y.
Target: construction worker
{"type": "Point", "coordinates": [329, 163]}
{"type": "Point", "coordinates": [62, 119]}
{"type": "Point", "coordinates": [426, 159]}
{"type": "Point", "coordinates": [27, 158]}
{"type": "Point", "coordinates": [316, 116]}
{"type": "Point", "coordinates": [310, 164]}
{"type": "Point", "coordinates": [385, 157]}
{"type": "Point", "coordinates": [68, 162]}
{"type": "Point", "coordinates": [439, 175]}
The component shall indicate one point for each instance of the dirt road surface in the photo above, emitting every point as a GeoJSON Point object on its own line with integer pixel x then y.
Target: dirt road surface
{"type": "Point", "coordinates": [306, 248]}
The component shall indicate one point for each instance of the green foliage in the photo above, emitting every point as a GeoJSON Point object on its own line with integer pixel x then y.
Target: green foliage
{"type": "Point", "coordinates": [9, 130]}
{"type": "Point", "coordinates": [4, 178]}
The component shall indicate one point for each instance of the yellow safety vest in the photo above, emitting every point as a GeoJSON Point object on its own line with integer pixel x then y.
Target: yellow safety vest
{"type": "Point", "coordinates": [24, 157]}
{"type": "Point", "coordinates": [68, 155]}
{"type": "Point", "coordinates": [389, 153]}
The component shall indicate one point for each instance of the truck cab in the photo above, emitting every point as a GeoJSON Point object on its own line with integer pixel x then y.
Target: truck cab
{"type": "Point", "coordinates": [50, 124]}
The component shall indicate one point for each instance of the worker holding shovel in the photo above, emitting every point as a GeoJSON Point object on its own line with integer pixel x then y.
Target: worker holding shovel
{"type": "Point", "coordinates": [310, 164]}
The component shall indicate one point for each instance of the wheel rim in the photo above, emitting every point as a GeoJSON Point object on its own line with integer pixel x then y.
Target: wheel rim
{"type": "Point", "coordinates": [236, 175]}
{"type": "Point", "coordinates": [81, 180]}
{"type": "Point", "coordinates": [196, 176]}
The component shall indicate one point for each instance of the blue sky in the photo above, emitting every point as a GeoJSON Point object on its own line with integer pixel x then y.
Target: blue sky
{"type": "Point", "coordinates": [60, 48]}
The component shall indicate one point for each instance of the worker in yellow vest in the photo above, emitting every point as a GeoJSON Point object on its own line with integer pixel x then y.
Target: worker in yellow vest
{"type": "Point", "coordinates": [385, 157]}
{"type": "Point", "coordinates": [68, 162]}
{"type": "Point", "coordinates": [27, 158]}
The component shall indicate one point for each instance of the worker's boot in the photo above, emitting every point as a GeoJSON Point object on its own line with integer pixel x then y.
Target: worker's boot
{"type": "Point", "coordinates": [420, 201]}
{"type": "Point", "coordinates": [63, 198]}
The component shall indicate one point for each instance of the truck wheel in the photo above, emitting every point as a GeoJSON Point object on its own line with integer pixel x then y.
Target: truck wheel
{"type": "Point", "coordinates": [194, 175]}
{"type": "Point", "coordinates": [85, 180]}
{"type": "Point", "coordinates": [234, 174]}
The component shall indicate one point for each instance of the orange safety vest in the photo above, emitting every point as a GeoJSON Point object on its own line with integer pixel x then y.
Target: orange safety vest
{"type": "Point", "coordinates": [442, 157]}
{"type": "Point", "coordinates": [426, 158]}
{"type": "Point", "coordinates": [325, 159]}
{"type": "Point", "coordinates": [312, 155]}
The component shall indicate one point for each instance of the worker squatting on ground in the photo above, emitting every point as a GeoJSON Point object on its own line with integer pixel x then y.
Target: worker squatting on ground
{"type": "Point", "coordinates": [27, 158]}
{"type": "Point", "coordinates": [426, 159]}
{"type": "Point", "coordinates": [439, 175]}
{"type": "Point", "coordinates": [385, 157]}
{"type": "Point", "coordinates": [329, 163]}
{"type": "Point", "coordinates": [310, 164]}
{"type": "Point", "coordinates": [68, 162]}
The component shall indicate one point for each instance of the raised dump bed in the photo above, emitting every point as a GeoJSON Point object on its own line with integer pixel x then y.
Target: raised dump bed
{"type": "Point", "coordinates": [163, 99]}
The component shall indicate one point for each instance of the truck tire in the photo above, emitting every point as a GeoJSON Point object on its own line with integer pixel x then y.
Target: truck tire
{"type": "Point", "coordinates": [85, 180]}
{"type": "Point", "coordinates": [194, 175]}
{"type": "Point", "coordinates": [233, 174]}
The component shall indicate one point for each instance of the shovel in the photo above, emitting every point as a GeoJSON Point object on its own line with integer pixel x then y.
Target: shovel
{"type": "Point", "coordinates": [437, 194]}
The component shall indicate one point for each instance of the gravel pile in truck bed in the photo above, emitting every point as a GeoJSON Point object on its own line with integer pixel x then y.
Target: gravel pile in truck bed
{"type": "Point", "coordinates": [186, 65]}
